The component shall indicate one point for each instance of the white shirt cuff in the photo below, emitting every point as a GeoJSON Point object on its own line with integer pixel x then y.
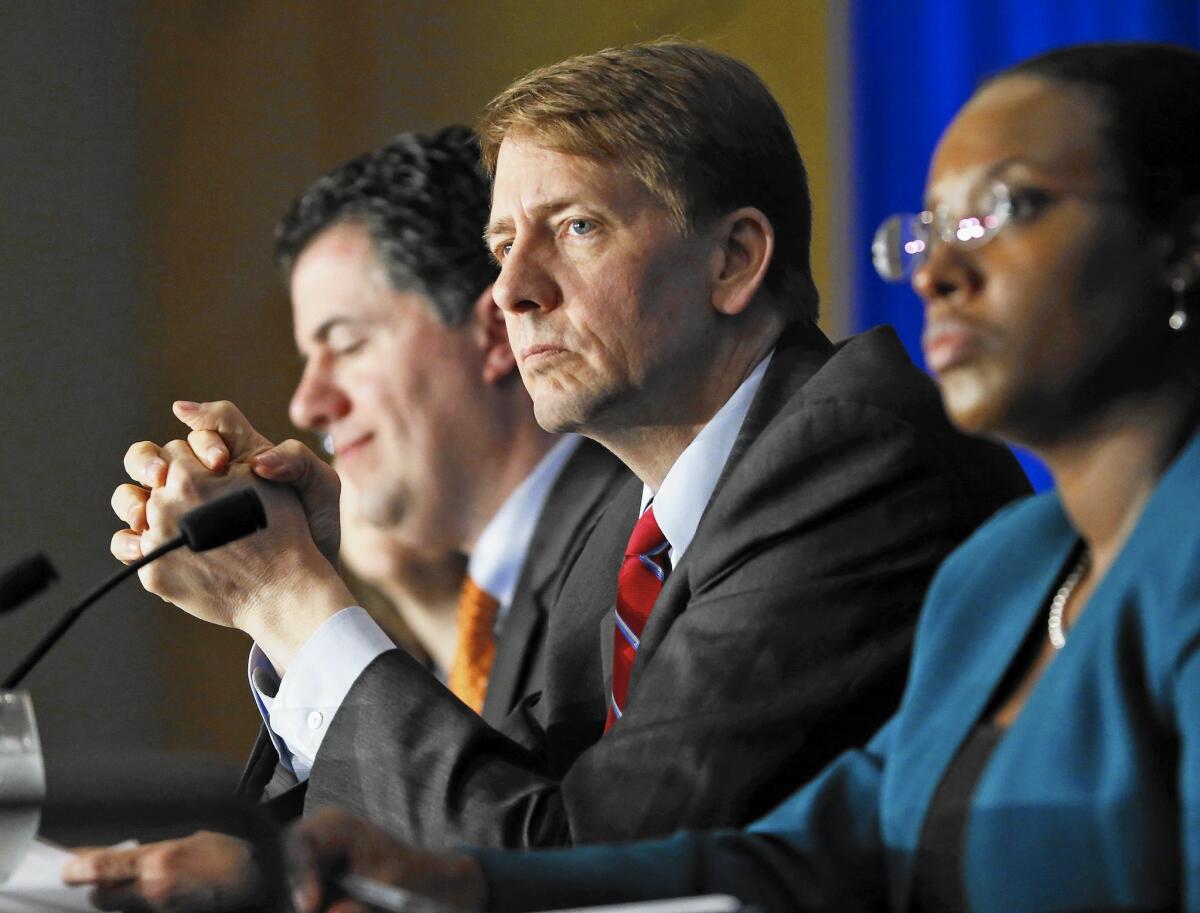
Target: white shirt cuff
{"type": "Point", "coordinates": [316, 683]}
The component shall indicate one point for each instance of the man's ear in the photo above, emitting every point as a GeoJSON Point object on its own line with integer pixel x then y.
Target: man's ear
{"type": "Point", "coordinates": [745, 246]}
{"type": "Point", "coordinates": [492, 337]}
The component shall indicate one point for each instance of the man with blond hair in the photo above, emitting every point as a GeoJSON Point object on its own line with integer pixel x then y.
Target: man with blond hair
{"type": "Point", "coordinates": [650, 216]}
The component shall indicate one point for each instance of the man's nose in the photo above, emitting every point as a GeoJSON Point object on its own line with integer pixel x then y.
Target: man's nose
{"type": "Point", "coordinates": [526, 281]}
{"type": "Point", "coordinates": [318, 401]}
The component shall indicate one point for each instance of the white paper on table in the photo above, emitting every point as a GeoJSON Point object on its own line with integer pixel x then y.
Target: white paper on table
{"type": "Point", "coordinates": [37, 884]}
{"type": "Point", "coordinates": [704, 903]}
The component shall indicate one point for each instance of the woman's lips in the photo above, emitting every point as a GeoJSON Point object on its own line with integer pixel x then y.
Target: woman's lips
{"type": "Point", "coordinates": [949, 345]}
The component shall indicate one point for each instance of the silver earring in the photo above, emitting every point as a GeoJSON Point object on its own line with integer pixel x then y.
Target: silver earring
{"type": "Point", "coordinates": [1179, 317]}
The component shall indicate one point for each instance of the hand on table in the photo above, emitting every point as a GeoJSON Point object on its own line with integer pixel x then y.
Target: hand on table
{"type": "Point", "coordinates": [334, 841]}
{"type": "Point", "coordinates": [203, 872]}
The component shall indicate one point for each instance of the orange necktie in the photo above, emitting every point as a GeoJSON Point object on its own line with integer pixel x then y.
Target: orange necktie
{"type": "Point", "coordinates": [476, 644]}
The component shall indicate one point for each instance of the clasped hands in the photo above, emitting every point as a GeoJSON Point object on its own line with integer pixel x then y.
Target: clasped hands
{"type": "Point", "coordinates": [278, 585]}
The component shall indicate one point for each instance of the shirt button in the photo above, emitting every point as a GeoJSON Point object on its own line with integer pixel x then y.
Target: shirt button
{"type": "Point", "coordinates": [315, 719]}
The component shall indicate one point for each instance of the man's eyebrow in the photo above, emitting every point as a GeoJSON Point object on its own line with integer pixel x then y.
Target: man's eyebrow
{"type": "Point", "coordinates": [321, 333]}
{"type": "Point", "coordinates": [498, 228]}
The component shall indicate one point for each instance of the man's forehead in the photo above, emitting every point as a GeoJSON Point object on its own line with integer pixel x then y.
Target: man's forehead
{"type": "Point", "coordinates": [532, 177]}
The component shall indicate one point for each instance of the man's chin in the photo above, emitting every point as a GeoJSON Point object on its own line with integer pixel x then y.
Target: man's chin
{"type": "Point", "coordinates": [559, 413]}
{"type": "Point", "coordinates": [386, 511]}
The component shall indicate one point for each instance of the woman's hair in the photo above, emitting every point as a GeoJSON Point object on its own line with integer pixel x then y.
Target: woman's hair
{"type": "Point", "coordinates": [1151, 96]}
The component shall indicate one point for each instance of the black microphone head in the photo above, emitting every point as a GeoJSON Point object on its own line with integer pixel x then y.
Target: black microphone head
{"type": "Point", "coordinates": [223, 520]}
{"type": "Point", "coordinates": [25, 580]}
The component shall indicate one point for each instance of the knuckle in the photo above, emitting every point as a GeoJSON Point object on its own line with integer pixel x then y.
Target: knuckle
{"type": "Point", "coordinates": [225, 411]}
{"type": "Point", "coordinates": [170, 856]}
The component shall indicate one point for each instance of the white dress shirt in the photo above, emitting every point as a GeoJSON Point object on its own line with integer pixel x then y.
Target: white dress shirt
{"type": "Point", "coordinates": [689, 483]}
{"type": "Point", "coordinates": [499, 553]}
{"type": "Point", "coordinates": [297, 715]}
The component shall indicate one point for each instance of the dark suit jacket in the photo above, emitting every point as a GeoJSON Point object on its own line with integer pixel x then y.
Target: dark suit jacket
{"type": "Point", "coordinates": [780, 639]}
{"type": "Point", "coordinates": [1091, 801]}
{"type": "Point", "coordinates": [588, 480]}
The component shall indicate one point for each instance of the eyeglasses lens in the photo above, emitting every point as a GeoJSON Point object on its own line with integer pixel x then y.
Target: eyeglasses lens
{"type": "Point", "coordinates": [900, 246]}
{"type": "Point", "coordinates": [902, 242]}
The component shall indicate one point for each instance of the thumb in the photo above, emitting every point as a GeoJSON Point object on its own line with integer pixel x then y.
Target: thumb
{"type": "Point", "coordinates": [315, 481]}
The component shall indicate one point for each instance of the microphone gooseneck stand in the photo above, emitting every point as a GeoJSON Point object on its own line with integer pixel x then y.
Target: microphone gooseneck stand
{"type": "Point", "coordinates": [210, 525]}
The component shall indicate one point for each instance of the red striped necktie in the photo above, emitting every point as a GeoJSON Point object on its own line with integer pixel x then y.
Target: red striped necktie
{"type": "Point", "coordinates": [639, 582]}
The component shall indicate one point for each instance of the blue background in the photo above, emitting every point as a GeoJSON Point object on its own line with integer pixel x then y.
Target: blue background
{"type": "Point", "coordinates": [913, 64]}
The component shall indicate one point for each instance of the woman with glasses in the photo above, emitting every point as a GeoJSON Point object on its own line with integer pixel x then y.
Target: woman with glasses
{"type": "Point", "coordinates": [1046, 755]}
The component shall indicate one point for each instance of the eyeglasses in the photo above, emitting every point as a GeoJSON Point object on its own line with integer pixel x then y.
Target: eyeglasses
{"type": "Point", "coordinates": [903, 242]}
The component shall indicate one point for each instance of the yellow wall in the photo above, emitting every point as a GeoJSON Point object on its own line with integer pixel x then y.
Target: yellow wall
{"type": "Point", "coordinates": [244, 103]}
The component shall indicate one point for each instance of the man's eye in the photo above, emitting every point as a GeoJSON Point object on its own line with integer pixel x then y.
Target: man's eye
{"type": "Point", "coordinates": [1027, 203]}
{"type": "Point", "coordinates": [580, 227]}
{"type": "Point", "coordinates": [349, 348]}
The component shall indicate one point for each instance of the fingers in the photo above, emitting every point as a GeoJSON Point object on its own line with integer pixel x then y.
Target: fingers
{"type": "Point", "coordinates": [129, 504]}
{"type": "Point", "coordinates": [336, 842]}
{"type": "Point", "coordinates": [317, 484]}
{"type": "Point", "coordinates": [227, 421]}
{"type": "Point", "coordinates": [209, 448]}
{"type": "Point", "coordinates": [200, 872]}
{"type": "Point", "coordinates": [126, 546]}
{"type": "Point", "coordinates": [295, 464]}
{"type": "Point", "coordinates": [102, 866]}
{"type": "Point", "coordinates": [316, 846]}
{"type": "Point", "coordinates": [144, 464]}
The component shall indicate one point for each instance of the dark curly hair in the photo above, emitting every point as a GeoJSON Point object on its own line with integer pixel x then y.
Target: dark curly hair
{"type": "Point", "coordinates": [424, 200]}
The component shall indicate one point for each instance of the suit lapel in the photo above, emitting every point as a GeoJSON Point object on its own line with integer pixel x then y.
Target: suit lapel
{"type": "Point", "coordinates": [800, 352]}
{"type": "Point", "coordinates": [608, 625]}
{"type": "Point", "coordinates": [586, 478]}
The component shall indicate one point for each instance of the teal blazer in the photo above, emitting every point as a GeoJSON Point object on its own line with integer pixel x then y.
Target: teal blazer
{"type": "Point", "coordinates": [1089, 802]}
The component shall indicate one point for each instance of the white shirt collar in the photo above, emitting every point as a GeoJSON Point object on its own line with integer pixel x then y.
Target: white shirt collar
{"type": "Point", "coordinates": [499, 553]}
{"type": "Point", "coordinates": [689, 483]}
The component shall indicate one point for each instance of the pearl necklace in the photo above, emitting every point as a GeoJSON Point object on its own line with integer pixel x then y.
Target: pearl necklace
{"type": "Point", "coordinates": [1054, 623]}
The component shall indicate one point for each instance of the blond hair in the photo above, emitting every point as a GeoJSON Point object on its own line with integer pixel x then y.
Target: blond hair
{"type": "Point", "coordinates": [697, 128]}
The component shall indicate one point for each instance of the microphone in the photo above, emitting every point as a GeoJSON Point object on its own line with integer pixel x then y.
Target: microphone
{"type": "Point", "coordinates": [222, 520]}
{"type": "Point", "coordinates": [24, 580]}
{"type": "Point", "coordinates": [210, 525]}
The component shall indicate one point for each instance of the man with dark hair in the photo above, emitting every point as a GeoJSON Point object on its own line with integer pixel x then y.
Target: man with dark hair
{"type": "Point", "coordinates": [793, 497]}
{"type": "Point", "coordinates": [421, 200]}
